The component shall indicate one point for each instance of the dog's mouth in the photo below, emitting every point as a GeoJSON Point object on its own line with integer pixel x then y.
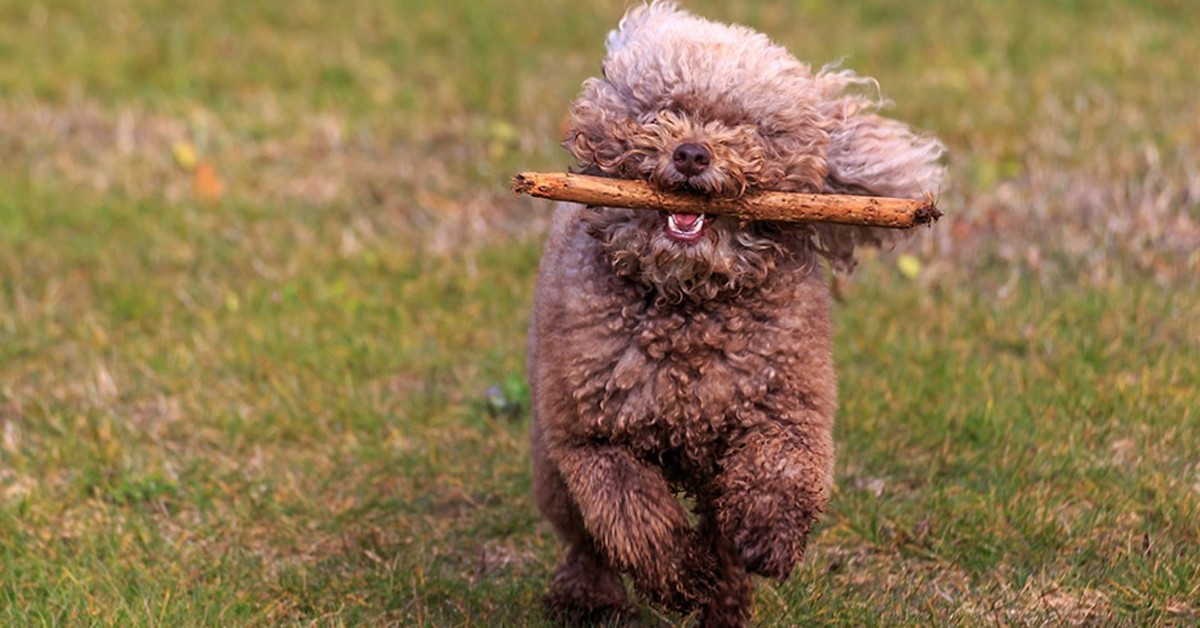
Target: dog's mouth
{"type": "Point", "coordinates": [686, 227]}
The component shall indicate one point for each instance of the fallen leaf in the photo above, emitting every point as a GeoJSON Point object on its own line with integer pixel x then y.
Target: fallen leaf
{"type": "Point", "coordinates": [208, 184]}
{"type": "Point", "coordinates": [909, 266]}
{"type": "Point", "coordinates": [185, 155]}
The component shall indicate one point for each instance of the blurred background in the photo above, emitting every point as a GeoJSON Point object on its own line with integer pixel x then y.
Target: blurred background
{"type": "Point", "coordinates": [263, 296]}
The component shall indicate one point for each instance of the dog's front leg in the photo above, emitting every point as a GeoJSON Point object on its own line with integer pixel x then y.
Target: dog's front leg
{"type": "Point", "coordinates": [775, 482]}
{"type": "Point", "coordinates": [629, 510]}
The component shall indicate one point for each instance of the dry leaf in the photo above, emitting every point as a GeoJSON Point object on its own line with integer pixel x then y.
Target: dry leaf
{"type": "Point", "coordinates": [208, 184]}
{"type": "Point", "coordinates": [185, 155]}
{"type": "Point", "coordinates": [909, 266]}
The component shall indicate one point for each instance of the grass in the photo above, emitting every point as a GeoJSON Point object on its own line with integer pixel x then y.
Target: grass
{"type": "Point", "coordinates": [266, 403]}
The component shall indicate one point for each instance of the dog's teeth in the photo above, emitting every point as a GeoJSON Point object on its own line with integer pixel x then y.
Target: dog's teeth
{"type": "Point", "coordinates": [691, 229]}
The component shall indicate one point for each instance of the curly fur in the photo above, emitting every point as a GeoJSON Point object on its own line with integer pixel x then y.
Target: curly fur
{"type": "Point", "coordinates": [659, 367]}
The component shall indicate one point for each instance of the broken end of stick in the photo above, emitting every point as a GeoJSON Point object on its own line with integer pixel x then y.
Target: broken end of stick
{"type": "Point", "coordinates": [928, 213]}
{"type": "Point", "coordinates": [521, 184]}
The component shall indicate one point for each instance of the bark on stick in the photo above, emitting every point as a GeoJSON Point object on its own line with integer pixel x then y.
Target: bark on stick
{"type": "Point", "coordinates": [873, 211]}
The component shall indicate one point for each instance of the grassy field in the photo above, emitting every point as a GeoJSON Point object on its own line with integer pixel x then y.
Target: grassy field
{"type": "Point", "coordinates": [258, 268]}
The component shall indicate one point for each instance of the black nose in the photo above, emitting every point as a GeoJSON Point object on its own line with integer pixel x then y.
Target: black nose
{"type": "Point", "coordinates": [691, 159]}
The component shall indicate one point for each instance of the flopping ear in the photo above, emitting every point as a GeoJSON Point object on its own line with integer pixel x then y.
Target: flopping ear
{"type": "Point", "coordinates": [872, 156]}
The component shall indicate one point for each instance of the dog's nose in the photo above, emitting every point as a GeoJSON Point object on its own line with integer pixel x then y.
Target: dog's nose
{"type": "Point", "coordinates": [691, 159]}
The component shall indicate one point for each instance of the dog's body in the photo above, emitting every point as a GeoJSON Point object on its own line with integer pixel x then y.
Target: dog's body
{"type": "Point", "coordinates": [693, 354]}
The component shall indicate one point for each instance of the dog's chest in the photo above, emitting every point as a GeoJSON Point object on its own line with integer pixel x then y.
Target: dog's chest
{"type": "Point", "coordinates": [682, 382]}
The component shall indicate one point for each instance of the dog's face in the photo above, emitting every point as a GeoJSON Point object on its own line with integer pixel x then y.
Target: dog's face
{"type": "Point", "coordinates": [687, 104]}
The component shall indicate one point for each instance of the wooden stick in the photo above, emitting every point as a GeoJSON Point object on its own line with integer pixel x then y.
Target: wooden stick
{"type": "Point", "coordinates": [874, 211]}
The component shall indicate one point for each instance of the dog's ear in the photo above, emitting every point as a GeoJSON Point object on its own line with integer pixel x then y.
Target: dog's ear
{"type": "Point", "coordinates": [873, 156]}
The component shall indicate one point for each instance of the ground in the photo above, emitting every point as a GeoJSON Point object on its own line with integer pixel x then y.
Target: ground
{"type": "Point", "coordinates": [258, 267]}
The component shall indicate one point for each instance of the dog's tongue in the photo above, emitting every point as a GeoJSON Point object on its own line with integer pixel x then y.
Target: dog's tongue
{"type": "Point", "coordinates": [685, 222]}
{"type": "Point", "coordinates": [685, 227]}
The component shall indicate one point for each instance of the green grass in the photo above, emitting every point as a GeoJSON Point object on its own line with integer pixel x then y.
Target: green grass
{"type": "Point", "coordinates": [269, 407]}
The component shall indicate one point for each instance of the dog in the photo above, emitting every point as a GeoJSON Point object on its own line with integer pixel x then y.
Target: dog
{"type": "Point", "coordinates": [690, 355]}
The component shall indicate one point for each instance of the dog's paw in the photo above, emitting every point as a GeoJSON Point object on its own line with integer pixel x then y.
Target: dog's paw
{"type": "Point", "coordinates": [571, 611]}
{"type": "Point", "coordinates": [688, 583]}
{"type": "Point", "coordinates": [770, 553]}
{"type": "Point", "coordinates": [584, 593]}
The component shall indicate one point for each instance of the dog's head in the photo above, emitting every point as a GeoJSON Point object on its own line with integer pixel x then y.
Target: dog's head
{"type": "Point", "coordinates": [689, 104]}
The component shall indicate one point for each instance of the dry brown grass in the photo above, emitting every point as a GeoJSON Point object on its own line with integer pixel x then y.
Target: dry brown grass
{"type": "Point", "coordinates": [262, 158]}
{"type": "Point", "coordinates": [1086, 204]}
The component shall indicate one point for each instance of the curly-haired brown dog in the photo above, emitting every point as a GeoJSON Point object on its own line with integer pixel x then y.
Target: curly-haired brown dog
{"type": "Point", "coordinates": [689, 353]}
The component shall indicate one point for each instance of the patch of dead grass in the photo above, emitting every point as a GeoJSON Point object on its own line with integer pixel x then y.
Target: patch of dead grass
{"type": "Point", "coordinates": [1100, 192]}
{"type": "Point", "coordinates": [952, 592]}
{"type": "Point", "coordinates": [1042, 602]}
{"type": "Point", "coordinates": [397, 185]}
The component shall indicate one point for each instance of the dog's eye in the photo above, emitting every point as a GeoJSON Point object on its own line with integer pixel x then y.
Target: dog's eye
{"type": "Point", "coordinates": [770, 133]}
{"type": "Point", "coordinates": [675, 107]}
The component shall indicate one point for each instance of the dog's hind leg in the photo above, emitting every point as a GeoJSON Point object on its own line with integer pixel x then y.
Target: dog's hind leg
{"type": "Point", "coordinates": [733, 591]}
{"type": "Point", "coordinates": [587, 590]}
